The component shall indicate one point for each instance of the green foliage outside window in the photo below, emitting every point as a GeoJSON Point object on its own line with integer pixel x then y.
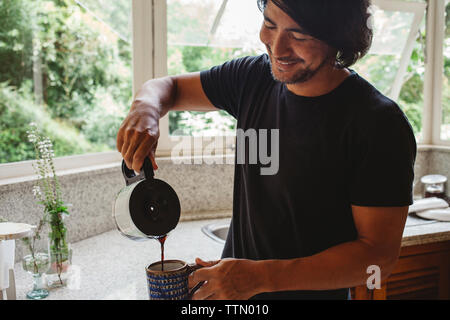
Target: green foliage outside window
{"type": "Point", "coordinates": [85, 72]}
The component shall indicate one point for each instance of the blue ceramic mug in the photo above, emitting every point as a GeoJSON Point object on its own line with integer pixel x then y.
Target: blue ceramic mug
{"type": "Point", "coordinates": [172, 282]}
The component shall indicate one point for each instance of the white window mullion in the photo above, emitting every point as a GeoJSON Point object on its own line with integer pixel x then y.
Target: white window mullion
{"type": "Point", "coordinates": [160, 62]}
{"type": "Point", "coordinates": [427, 116]}
{"type": "Point", "coordinates": [160, 37]}
{"type": "Point", "coordinates": [438, 67]}
{"type": "Point", "coordinates": [432, 112]}
{"type": "Point", "coordinates": [143, 43]}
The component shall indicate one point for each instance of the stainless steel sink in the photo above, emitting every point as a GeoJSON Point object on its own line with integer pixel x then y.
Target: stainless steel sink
{"type": "Point", "coordinates": [217, 231]}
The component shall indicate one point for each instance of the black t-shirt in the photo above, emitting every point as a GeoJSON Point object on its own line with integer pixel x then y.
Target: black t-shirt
{"type": "Point", "coordinates": [350, 146]}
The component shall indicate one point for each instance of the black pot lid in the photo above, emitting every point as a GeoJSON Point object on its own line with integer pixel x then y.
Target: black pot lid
{"type": "Point", "coordinates": [154, 207]}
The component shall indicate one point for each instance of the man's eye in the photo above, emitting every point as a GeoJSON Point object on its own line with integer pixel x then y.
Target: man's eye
{"type": "Point", "coordinates": [299, 37]}
{"type": "Point", "coordinates": [269, 26]}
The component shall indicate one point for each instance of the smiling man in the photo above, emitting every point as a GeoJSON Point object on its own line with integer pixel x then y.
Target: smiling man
{"type": "Point", "coordinates": [339, 201]}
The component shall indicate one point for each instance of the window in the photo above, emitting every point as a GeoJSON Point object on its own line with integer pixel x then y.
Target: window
{"type": "Point", "coordinates": [72, 66]}
{"type": "Point", "coordinates": [201, 34]}
{"type": "Point", "coordinates": [66, 65]}
{"type": "Point", "coordinates": [395, 63]}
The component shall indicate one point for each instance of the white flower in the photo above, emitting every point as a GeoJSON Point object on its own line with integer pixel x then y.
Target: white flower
{"type": "Point", "coordinates": [32, 138]}
{"type": "Point", "coordinates": [37, 191]}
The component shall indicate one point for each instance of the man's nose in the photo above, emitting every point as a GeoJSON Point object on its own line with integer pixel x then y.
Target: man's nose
{"type": "Point", "coordinates": [280, 46]}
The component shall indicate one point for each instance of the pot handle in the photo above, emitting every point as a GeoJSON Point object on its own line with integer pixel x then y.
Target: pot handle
{"type": "Point", "coordinates": [131, 177]}
{"type": "Point", "coordinates": [192, 268]}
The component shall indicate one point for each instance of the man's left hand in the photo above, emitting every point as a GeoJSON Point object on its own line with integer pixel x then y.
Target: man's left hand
{"type": "Point", "coordinates": [226, 279]}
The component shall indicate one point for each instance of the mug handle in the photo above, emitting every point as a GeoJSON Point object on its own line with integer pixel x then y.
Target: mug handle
{"type": "Point", "coordinates": [191, 268]}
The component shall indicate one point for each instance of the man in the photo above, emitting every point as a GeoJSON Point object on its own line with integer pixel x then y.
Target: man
{"type": "Point", "coordinates": [339, 201]}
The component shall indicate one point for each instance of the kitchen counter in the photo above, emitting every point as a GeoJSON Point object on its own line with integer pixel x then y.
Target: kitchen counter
{"type": "Point", "coordinates": [112, 267]}
{"type": "Point", "coordinates": [420, 231]}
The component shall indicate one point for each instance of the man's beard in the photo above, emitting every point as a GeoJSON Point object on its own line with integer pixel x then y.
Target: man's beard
{"type": "Point", "coordinates": [300, 76]}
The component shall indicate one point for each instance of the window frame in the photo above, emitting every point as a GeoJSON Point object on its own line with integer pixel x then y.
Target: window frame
{"type": "Point", "coordinates": [149, 17]}
{"type": "Point", "coordinates": [432, 111]}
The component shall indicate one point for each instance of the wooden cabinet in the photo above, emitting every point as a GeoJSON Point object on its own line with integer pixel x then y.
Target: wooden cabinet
{"type": "Point", "coordinates": [422, 272]}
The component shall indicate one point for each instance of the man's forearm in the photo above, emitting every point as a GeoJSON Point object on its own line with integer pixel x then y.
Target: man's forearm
{"type": "Point", "coordinates": [159, 94]}
{"type": "Point", "coordinates": [342, 266]}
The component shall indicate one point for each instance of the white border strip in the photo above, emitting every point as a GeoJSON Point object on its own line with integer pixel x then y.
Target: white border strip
{"type": "Point", "coordinates": [25, 169]}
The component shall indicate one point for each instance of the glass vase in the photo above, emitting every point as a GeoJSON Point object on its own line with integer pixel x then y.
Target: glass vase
{"type": "Point", "coordinates": [60, 254]}
{"type": "Point", "coordinates": [36, 261]}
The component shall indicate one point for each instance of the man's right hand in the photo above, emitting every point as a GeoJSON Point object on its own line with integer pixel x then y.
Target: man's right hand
{"type": "Point", "coordinates": [138, 135]}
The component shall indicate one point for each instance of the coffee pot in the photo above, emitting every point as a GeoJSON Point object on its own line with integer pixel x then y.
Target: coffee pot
{"type": "Point", "coordinates": [146, 208]}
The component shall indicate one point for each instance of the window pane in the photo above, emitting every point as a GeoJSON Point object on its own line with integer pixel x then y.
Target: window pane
{"type": "Point", "coordinates": [445, 129]}
{"type": "Point", "coordinates": [66, 65]}
{"type": "Point", "coordinates": [202, 34]}
{"type": "Point", "coordinates": [381, 65]}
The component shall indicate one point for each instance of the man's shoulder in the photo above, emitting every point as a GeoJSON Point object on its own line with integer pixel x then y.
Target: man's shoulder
{"type": "Point", "coordinates": [374, 111]}
{"type": "Point", "coordinates": [244, 69]}
{"type": "Point", "coordinates": [370, 102]}
{"type": "Point", "coordinates": [261, 60]}
{"type": "Point", "coordinates": [253, 65]}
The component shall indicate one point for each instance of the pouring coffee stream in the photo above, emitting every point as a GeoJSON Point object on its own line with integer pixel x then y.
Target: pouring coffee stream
{"type": "Point", "coordinates": [147, 208]}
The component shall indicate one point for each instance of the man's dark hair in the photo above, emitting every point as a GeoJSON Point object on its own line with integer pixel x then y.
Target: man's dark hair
{"type": "Point", "coordinates": [342, 24]}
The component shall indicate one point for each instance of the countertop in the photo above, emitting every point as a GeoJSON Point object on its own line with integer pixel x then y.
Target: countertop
{"type": "Point", "coordinates": [420, 231]}
{"type": "Point", "coordinates": [111, 266]}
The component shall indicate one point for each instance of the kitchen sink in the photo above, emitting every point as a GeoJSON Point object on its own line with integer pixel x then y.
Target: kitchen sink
{"type": "Point", "coordinates": [217, 231]}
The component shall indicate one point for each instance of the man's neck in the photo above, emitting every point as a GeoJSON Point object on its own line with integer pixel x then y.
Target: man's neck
{"type": "Point", "coordinates": [324, 81]}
